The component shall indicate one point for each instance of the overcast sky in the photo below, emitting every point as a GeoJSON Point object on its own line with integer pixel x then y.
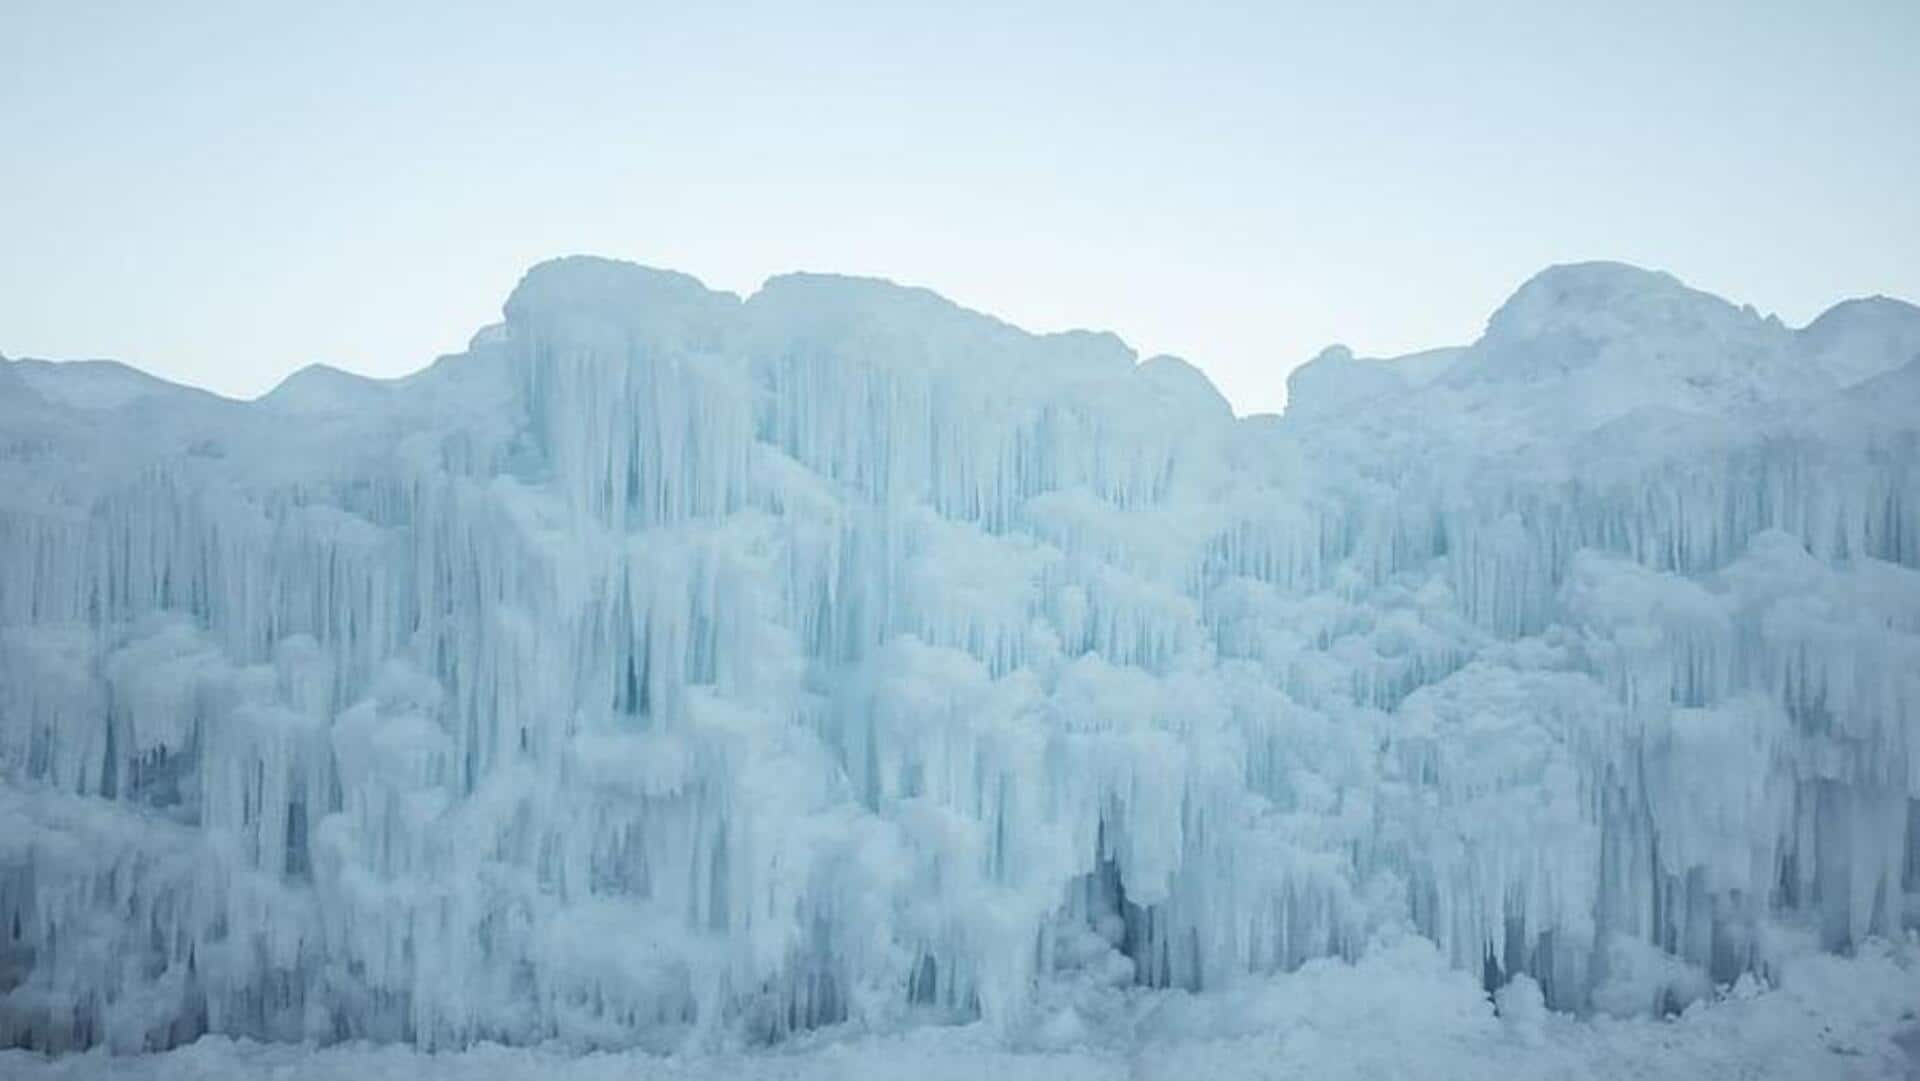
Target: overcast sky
{"type": "Point", "coordinates": [222, 193]}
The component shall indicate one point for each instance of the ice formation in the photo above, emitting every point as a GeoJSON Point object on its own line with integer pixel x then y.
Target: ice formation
{"type": "Point", "coordinates": [672, 668]}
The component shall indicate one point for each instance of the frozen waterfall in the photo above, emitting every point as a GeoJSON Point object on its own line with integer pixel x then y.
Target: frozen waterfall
{"type": "Point", "coordinates": [672, 668]}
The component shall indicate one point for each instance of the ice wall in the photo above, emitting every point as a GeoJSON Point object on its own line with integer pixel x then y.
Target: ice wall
{"type": "Point", "coordinates": [671, 668]}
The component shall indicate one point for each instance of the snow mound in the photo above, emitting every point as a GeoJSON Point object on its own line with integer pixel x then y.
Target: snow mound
{"type": "Point", "coordinates": [1856, 340]}
{"type": "Point", "coordinates": [318, 388]}
{"type": "Point", "coordinates": [91, 384]}
{"type": "Point", "coordinates": [1608, 339]}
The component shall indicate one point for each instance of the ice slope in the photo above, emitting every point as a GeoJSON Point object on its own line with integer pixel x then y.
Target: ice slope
{"type": "Point", "coordinates": [678, 670]}
{"type": "Point", "coordinates": [91, 384]}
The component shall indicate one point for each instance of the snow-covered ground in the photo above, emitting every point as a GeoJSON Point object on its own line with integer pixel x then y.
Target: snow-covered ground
{"type": "Point", "coordinates": [672, 671]}
{"type": "Point", "coordinates": [1398, 1014]}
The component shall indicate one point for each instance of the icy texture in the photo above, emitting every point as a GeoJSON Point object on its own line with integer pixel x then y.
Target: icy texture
{"type": "Point", "coordinates": [671, 669]}
{"type": "Point", "coordinates": [1398, 1012]}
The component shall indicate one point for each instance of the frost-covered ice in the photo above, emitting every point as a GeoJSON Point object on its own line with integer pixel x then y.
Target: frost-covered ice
{"type": "Point", "coordinates": [671, 671]}
{"type": "Point", "coordinates": [1400, 1012]}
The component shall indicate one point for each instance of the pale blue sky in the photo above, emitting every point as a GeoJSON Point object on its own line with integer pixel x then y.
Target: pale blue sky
{"type": "Point", "coordinates": [222, 193]}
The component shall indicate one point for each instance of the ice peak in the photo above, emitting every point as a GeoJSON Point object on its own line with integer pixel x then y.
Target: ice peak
{"type": "Point", "coordinates": [1606, 275]}
{"type": "Point", "coordinates": [90, 384]}
{"type": "Point", "coordinates": [1869, 309]}
{"type": "Point", "coordinates": [850, 290]}
{"type": "Point", "coordinates": [823, 302]}
{"type": "Point", "coordinates": [321, 388]}
{"type": "Point", "coordinates": [1605, 299]}
{"type": "Point", "coordinates": [1180, 383]}
{"type": "Point", "coordinates": [1334, 380]}
{"type": "Point", "coordinates": [609, 290]}
{"type": "Point", "coordinates": [1600, 340]}
{"type": "Point", "coordinates": [1856, 340]}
